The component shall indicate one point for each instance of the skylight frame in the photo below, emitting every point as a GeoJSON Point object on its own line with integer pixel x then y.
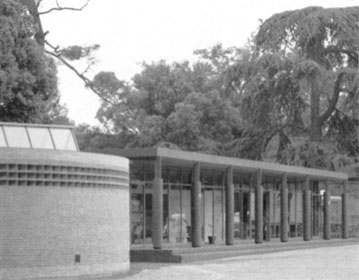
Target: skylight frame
{"type": "Point", "coordinates": [69, 145]}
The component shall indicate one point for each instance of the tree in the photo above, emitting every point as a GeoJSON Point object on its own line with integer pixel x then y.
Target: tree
{"type": "Point", "coordinates": [297, 78]}
{"type": "Point", "coordinates": [324, 44]}
{"type": "Point", "coordinates": [93, 139]}
{"type": "Point", "coordinates": [28, 83]}
{"type": "Point", "coordinates": [176, 104]}
{"type": "Point", "coordinates": [299, 81]}
{"type": "Point", "coordinates": [36, 9]}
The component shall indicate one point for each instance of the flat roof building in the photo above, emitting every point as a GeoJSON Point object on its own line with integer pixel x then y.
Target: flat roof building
{"type": "Point", "coordinates": [68, 213]}
{"type": "Point", "coordinates": [189, 197]}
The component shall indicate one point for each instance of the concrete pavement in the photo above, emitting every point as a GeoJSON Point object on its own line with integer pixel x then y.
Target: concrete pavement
{"type": "Point", "coordinates": [329, 263]}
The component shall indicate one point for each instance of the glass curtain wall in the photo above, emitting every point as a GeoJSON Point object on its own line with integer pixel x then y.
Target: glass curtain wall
{"type": "Point", "coordinates": [213, 214]}
{"type": "Point", "coordinates": [268, 208]}
{"type": "Point", "coordinates": [296, 209]}
{"type": "Point", "coordinates": [353, 207]}
{"type": "Point", "coordinates": [177, 227]}
{"type": "Point", "coordinates": [316, 209]}
{"type": "Point", "coordinates": [336, 210]}
{"type": "Point", "coordinates": [299, 186]}
{"type": "Point", "coordinates": [292, 208]}
{"type": "Point", "coordinates": [141, 173]}
{"type": "Point", "coordinates": [243, 206]}
{"type": "Point", "coordinates": [275, 207]}
{"type": "Point", "coordinates": [177, 203]}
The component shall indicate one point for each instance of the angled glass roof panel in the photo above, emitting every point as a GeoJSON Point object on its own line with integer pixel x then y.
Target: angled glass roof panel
{"type": "Point", "coordinates": [40, 138]}
{"type": "Point", "coordinates": [17, 137]}
{"type": "Point", "coordinates": [63, 139]}
{"type": "Point", "coordinates": [2, 139]}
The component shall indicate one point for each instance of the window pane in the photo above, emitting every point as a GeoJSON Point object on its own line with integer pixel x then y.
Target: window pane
{"type": "Point", "coordinates": [2, 139]}
{"type": "Point", "coordinates": [17, 137]}
{"type": "Point", "coordinates": [63, 139]}
{"type": "Point", "coordinates": [40, 138]}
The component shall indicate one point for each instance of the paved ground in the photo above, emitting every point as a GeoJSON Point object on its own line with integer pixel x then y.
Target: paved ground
{"type": "Point", "coordinates": [328, 263]}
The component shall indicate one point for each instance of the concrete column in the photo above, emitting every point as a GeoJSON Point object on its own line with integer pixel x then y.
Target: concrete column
{"type": "Point", "coordinates": [267, 200]}
{"type": "Point", "coordinates": [284, 209]}
{"type": "Point", "coordinates": [258, 207]}
{"type": "Point", "coordinates": [157, 206]}
{"type": "Point", "coordinates": [196, 207]}
{"type": "Point", "coordinates": [242, 227]}
{"type": "Point", "coordinates": [229, 207]}
{"type": "Point", "coordinates": [306, 211]}
{"type": "Point", "coordinates": [345, 232]}
{"type": "Point", "coordinates": [326, 204]}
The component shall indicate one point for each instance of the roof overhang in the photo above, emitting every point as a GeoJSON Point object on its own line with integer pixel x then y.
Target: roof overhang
{"type": "Point", "coordinates": [173, 157]}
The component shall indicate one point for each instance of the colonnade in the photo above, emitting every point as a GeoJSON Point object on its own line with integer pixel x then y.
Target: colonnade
{"type": "Point", "coordinates": [196, 207]}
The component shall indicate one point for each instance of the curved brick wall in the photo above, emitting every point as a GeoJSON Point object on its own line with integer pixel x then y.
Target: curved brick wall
{"type": "Point", "coordinates": [62, 214]}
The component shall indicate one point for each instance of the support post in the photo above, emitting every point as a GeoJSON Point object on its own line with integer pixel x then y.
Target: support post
{"type": "Point", "coordinates": [284, 208]}
{"type": "Point", "coordinates": [196, 209]}
{"type": "Point", "coordinates": [345, 232]}
{"type": "Point", "coordinates": [157, 206]}
{"type": "Point", "coordinates": [229, 207]}
{"type": "Point", "coordinates": [306, 214]}
{"type": "Point", "coordinates": [242, 227]}
{"type": "Point", "coordinates": [258, 208]}
{"type": "Point", "coordinates": [326, 204]}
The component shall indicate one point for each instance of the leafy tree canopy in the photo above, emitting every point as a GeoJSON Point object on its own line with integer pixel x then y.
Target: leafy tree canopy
{"type": "Point", "coordinates": [28, 84]}
{"type": "Point", "coordinates": [315, 32]}
{"type": "Point", "coordinates": [176, 103]}
{"type": "Point", "coordinates": [303, 75]}
{"type": "Point", "coordinates": [298, 79]}
{"type": "Point", "coordinates": [323, 46]}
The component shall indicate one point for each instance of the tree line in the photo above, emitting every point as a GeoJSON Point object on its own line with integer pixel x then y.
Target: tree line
{"type": "Point", "coordinates": [290, 95]}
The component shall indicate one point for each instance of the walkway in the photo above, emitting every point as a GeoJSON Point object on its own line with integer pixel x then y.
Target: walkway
{"type": "Point", "coordinates": [183, 253]}
{"type": "Point", "coordinates": [330, 263]}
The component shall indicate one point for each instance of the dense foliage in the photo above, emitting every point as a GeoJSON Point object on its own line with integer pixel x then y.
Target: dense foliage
{"type": "Point", "coordinates": [28, 83]}
{"type": "Point", "coordinates": [291, 95]}
{"type": "Point", "coordinates": [321, 47]}
{"type": "Point", "coordinates": [177, 103]}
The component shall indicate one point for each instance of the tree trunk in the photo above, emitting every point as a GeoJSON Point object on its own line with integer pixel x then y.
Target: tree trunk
{"type": "Point", "coordinates": [33, 10]}
{"type": "Point", "coordinates": [315, 124]}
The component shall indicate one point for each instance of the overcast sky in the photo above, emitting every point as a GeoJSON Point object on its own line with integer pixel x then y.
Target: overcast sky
{"type": "Point", "coordinates": [132, 31]}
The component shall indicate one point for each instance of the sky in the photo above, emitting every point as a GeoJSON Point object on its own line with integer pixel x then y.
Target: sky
{"type": "Point", "coordinates": [133, 31]}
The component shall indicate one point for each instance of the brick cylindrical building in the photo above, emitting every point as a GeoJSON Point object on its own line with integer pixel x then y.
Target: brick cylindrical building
{"type": "Point", "coordinates": [62, 214]}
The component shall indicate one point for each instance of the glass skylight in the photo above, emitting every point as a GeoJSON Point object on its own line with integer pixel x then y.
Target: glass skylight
{"type": "Point", "coordinates": [2, 139]}
{"type": "Point", "coordinates": [63, 139]}
{"type": "Point", "coordinates": [40, 138]}
{"type": "Point", "coordinates": [17, 137]}
{"type": "Point", "coordinates": [37, 137]}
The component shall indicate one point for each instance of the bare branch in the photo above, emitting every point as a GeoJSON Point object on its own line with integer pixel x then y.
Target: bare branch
{"type": "Point", "coordinates": [334, 100]}
{"type": "Point", "coordinates": [87, 81]}
{"type": "Point", "coordinates": [88, 67]}
{"type": "Point", "coordinates": [38, 3]}
{"type": "Point", "coordinates": [60, 8]}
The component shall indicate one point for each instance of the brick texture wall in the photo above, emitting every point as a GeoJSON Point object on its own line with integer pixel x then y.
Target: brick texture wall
{"type": "Point", "coordinates": [58, 226]}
